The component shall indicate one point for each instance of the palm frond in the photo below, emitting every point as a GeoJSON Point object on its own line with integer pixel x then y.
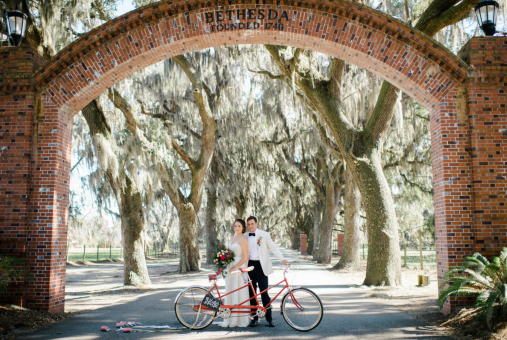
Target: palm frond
{"type": "Point", "coordinates": [488, 307]}
{"type": "Point", "coordinates": [476, 276]}
{"type": "Point", "coordinates": [503, 254]}
{"type": "Point", "coordinates": [503, 293]}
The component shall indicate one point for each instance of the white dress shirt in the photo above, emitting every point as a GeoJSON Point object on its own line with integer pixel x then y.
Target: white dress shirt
{"type": "Point", "coordinates": [253, 248]}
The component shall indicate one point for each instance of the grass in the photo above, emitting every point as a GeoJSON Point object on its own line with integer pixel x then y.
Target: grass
{"type": "Point", "coordinates": [413, 260]}
{"type": "Point", "coordinates": [76, 254]}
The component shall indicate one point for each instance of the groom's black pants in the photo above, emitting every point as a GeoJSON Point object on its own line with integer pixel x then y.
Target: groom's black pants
{"type": "Point", "coordinates": [259, 279]}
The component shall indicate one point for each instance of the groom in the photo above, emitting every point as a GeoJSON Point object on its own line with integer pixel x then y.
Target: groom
{"type": "Point", "coordinates": [258, 244]}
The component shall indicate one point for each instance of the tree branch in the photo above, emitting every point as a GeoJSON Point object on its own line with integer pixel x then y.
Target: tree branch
{"type": "Point", "coordinates": [79, 161]}
{"type": "Point", "coordinates": [422, 117]}
{"type": "Point", "coordinates": [274, 142]}
{"type": "Point", "coordinates": [269, 74]}
{"type": "Point", "coordinates": [420, 187]}
{"type": "Point", "coordinates": [122, 104]}
{"type": "Point", "coordinates": [305, 171]}
{"type": "Point", "coordinates": [319, 95]}
{"type": "Point", "coordinates": [114, 213]}
{"type": "Point", "coordinates": [144, 112]}
{"type": "Point", "coordinates": [336, 73]}
{"type": "Point", "coordinates": [439, 14]}
{"type": "Point", "coordinates": [442, 13]}
{"type": "Point", "coordinates": [324, 137]}
{"type": "Point", "coordinates": [190, 162]}
{"type": "Point", "coordinates": [170, 187]}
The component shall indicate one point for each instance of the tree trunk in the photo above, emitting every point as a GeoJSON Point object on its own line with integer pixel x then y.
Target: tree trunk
{"type": "Point", "coordinates": [211, 212]}
{"type": "Point", "coordinates": [161, 222]}
{"type": "Point", "coordinates": [295, 239]}
{"type": "Point", "coordinates": [352, 220]}
{"type": "Point", "coordinates": [323, 253]}
{"type": "Point", "coordinates": [313, 239]}
{"type": "Point", "coordinates": [384, 262]}
{"type": "Point", "coordinates": [163, 242]}
{"type": "Point", "coordinates": [190, 256]}
{"type": "Point", "coordinates": [240, 204]}
{"type": "Point", "coordinates": [164, 236]}
{"type": "Point", "coordinates": [135, 271]}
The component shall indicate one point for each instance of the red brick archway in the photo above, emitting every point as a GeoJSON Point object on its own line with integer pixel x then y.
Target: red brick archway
{"type": "Point", "coordinates": [365, 37]}
{"type": "Point", "coordinates": [37, 118]}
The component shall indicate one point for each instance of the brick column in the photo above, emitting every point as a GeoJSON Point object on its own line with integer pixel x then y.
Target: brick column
{"type": "Point", "coordinates": [452, 183]}
{"type": "Point", "coordinates": [303, 244]}
{"type": "Point", "coordinates": [340, 239]}
{"type": "Point", "coordinates": [469, 147]}
{"type": "Point", "coordinates": [487, 100]}
{"type": "Point", "coordinates": [35, 141]}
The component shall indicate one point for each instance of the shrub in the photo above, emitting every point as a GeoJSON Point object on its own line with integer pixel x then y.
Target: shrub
{"type": "Point", "coordinates": [481, 278]}
{"type": "Point", "coordinates": [11, 270]}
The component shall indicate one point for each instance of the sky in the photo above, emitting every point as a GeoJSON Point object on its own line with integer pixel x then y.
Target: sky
{"type": "Point", "coordinates": [124, 7]}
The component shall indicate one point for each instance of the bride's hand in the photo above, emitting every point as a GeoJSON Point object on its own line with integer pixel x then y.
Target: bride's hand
{"type": "Point", "coordinates": [233, 269]}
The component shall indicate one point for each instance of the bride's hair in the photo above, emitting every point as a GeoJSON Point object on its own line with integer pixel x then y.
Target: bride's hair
{"type": "Point", "coordinates": [242, 222]}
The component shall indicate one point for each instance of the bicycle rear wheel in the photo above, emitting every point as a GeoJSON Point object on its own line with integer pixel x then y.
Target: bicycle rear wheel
{"type": "Point", "coordinates": [188, 311]}
{"type": "Point", "coordinates": [302, 309]}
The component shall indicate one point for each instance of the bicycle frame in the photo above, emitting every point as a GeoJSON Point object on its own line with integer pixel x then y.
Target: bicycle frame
{"type": "Point", "coordinates": [250, 308]}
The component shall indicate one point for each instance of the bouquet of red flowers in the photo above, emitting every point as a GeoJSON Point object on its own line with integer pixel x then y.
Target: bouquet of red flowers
{"type": "Point", "coordinates": [222, 257]}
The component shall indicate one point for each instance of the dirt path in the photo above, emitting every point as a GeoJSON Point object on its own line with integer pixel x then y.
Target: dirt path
{"type": "Point", "coordinates": [93, 285]}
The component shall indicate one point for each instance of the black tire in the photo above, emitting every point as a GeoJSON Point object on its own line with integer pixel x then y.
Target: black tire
{"type": "Point", "coordinates": [187, 310]}
{"type": "Point", "coordinates": [307, 315]}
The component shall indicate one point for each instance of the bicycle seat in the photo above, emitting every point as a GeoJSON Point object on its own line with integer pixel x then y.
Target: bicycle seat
{"type": "Point", "coordinates": [247, 269]}
{"type": "Point", "coordinates": [212, 276]}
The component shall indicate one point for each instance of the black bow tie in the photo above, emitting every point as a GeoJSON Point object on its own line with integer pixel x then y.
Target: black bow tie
{"type": "Point", "coordinates": [251, 234]}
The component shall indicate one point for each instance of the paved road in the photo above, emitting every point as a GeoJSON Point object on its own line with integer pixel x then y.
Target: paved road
{"type": "Point", "coordinates": [347, 315]}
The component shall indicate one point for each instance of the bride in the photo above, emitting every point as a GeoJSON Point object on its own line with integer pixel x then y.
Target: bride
{"type": "Point", "coordinates": [239, 245]}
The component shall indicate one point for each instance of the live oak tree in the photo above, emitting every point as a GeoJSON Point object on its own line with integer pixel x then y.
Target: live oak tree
{"type": "Point", "coordinates": [120, 173]}
{"type": "Point", "coordinates": [312, 158]}
{"type": "Point", "coordinates": [183, 99]}
{"type": "Point", "coordinates": [188, 205]}
{"type": "Point", "coordinates": [360, 149]}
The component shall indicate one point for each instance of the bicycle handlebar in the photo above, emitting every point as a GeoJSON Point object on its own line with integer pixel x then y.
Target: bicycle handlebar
{"type": "Point", "coordinates": [287, 268]}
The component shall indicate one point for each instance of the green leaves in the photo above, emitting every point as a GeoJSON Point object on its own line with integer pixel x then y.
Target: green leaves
{"type": "Point", "coordinates": [481, 278]}
{"type": "Point", "coordinates": [11, 270]}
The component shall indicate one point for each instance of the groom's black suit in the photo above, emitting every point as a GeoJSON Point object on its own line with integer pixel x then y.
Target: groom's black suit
{"type": "Point", "coordinates": [259, 279]}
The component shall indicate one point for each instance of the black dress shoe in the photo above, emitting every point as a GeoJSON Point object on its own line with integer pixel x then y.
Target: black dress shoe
{"type": "Point", "coordinates": [271, 324]}
{"type": "Point", "coordinates": [252, 323]}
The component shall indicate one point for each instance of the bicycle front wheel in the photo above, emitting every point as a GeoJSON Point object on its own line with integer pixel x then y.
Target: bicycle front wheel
{"type": "Point", "coordinates": [302, 309]}
{"type": "Point", "coordinates": [189, 311]}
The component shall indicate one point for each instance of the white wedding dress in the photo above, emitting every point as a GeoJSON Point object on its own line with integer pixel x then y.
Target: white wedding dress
{"type": "Point", "coordinates": [233, 282]}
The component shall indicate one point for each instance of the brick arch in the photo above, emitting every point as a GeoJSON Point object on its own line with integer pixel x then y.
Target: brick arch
{"type": "Point", "coordinates": [383, 45]}
{"type": "Point", "coordinates": [467, 116]}
{"type": "Point", "coordinates": [360, 35]}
